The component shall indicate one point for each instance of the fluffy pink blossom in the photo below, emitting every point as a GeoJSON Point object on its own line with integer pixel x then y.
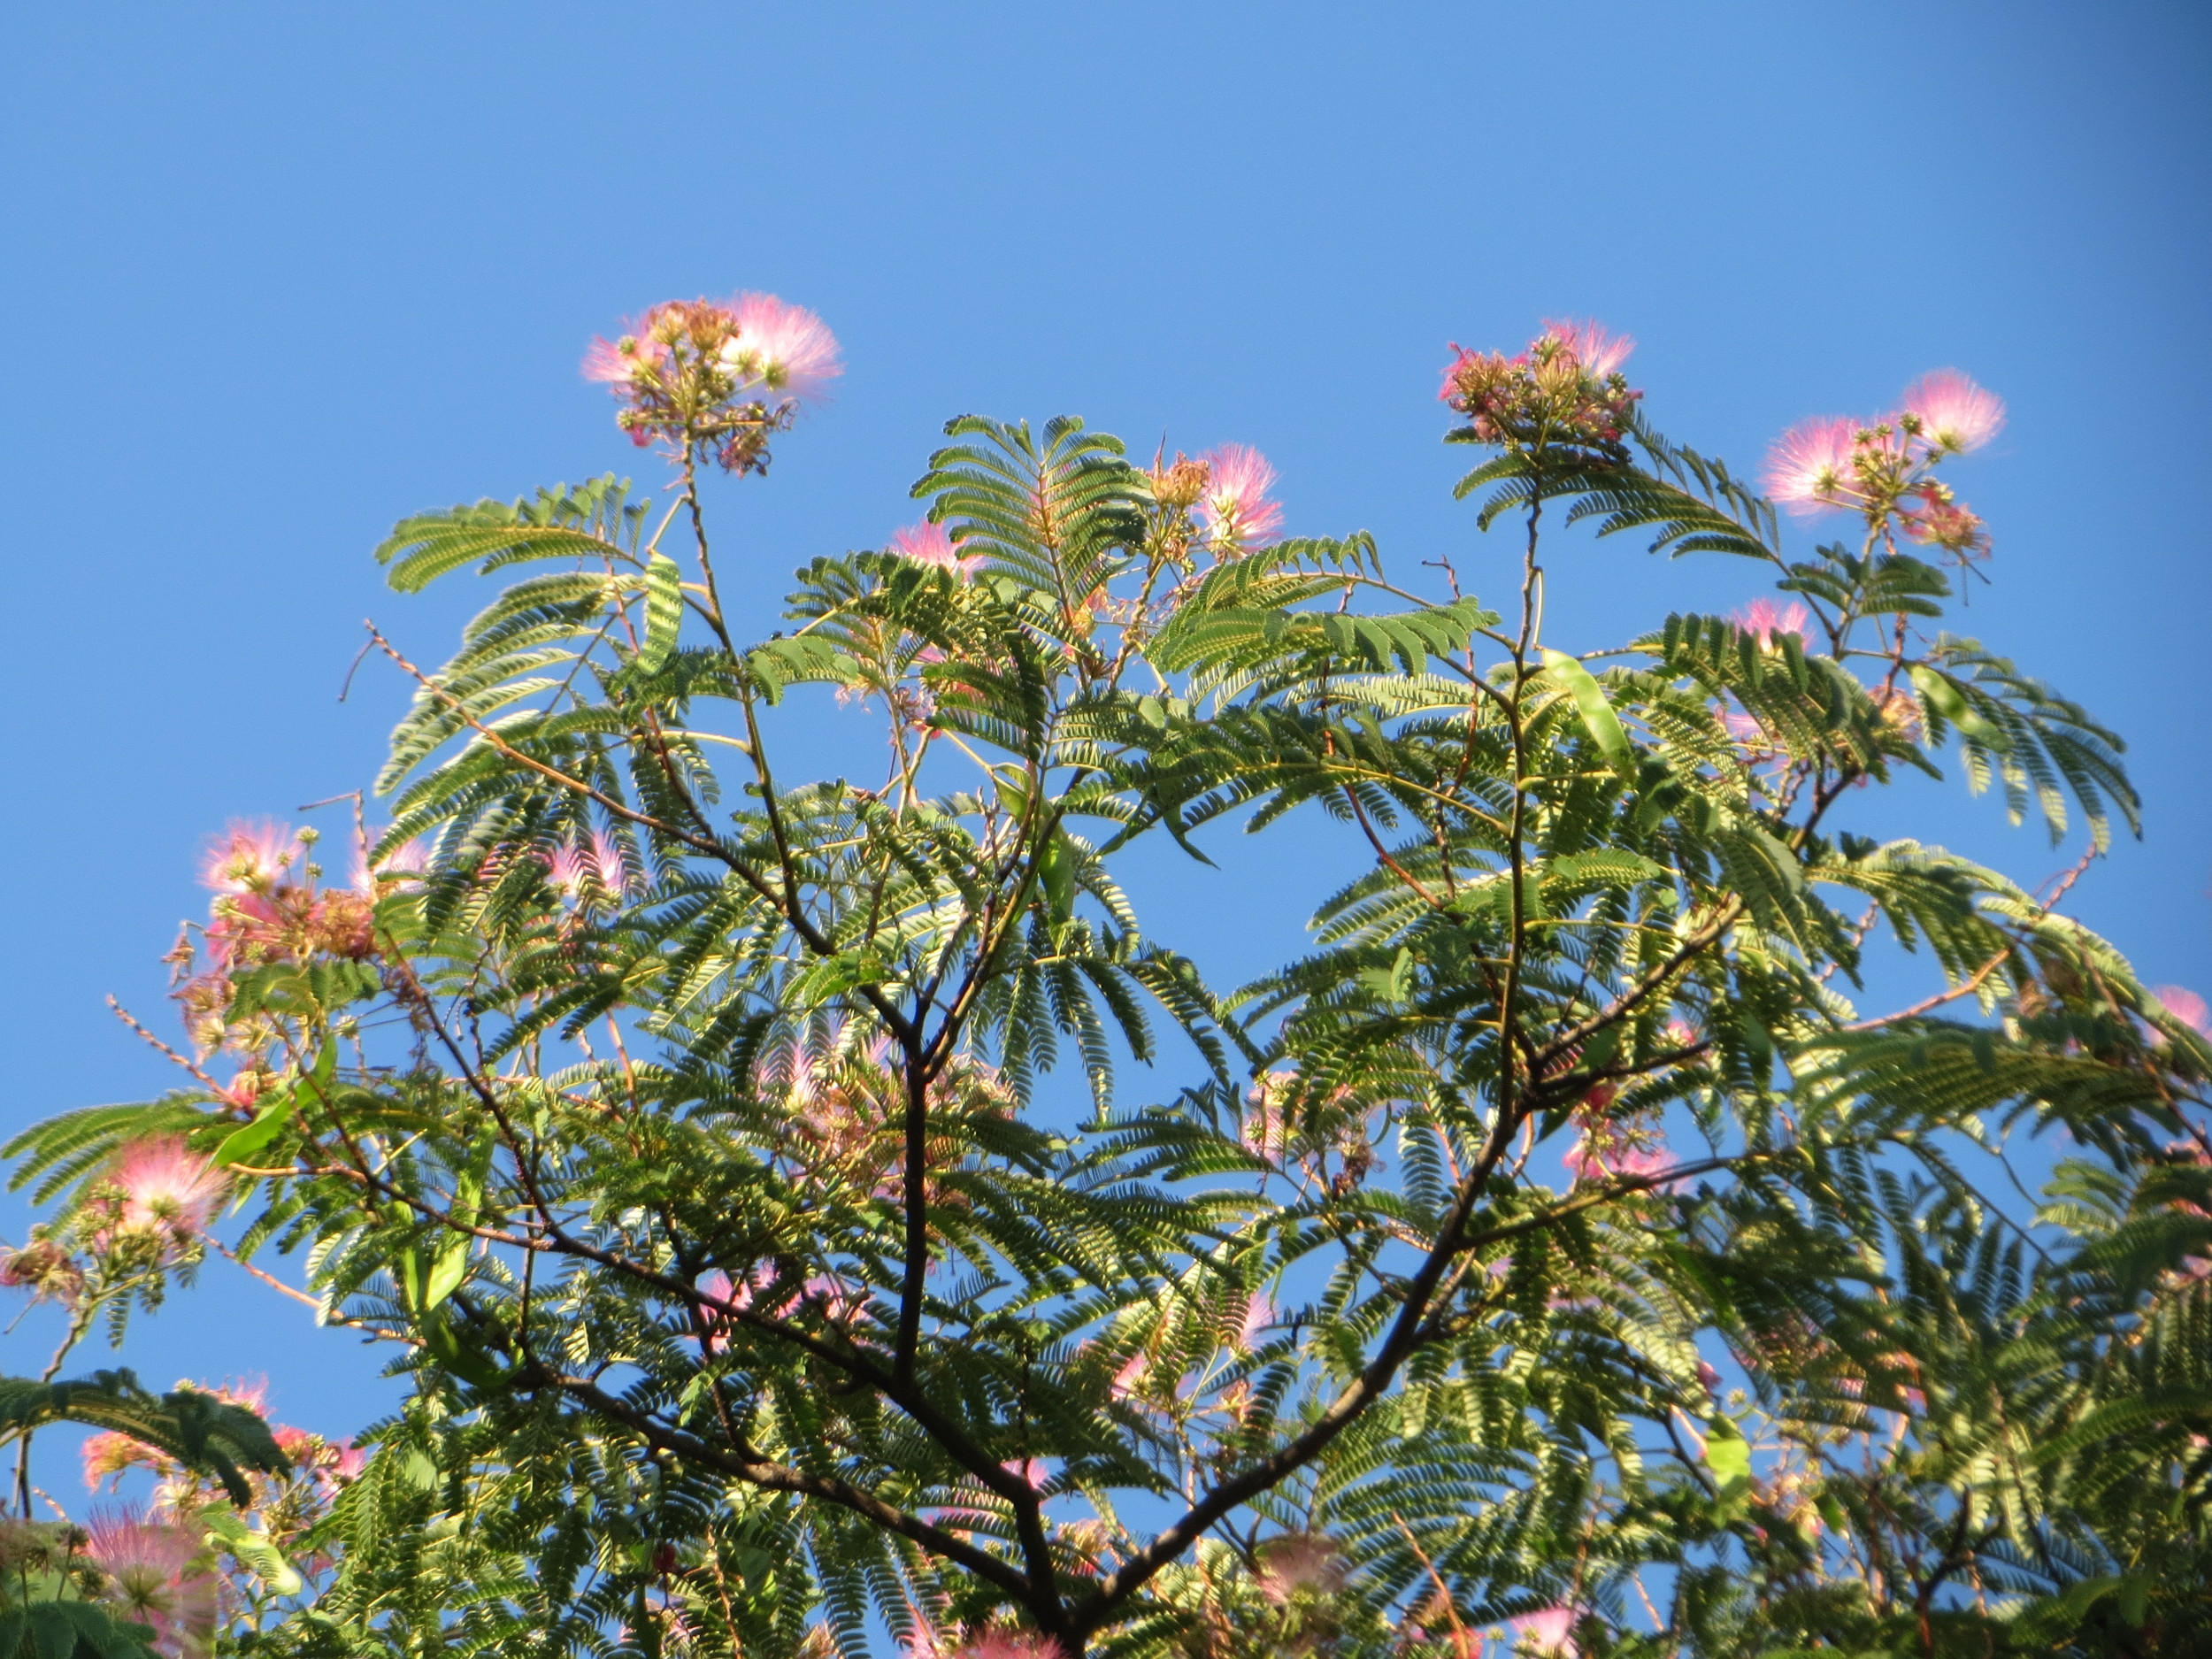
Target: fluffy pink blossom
{"type": "Point", "coordinates": [1809, 467]}
{"type": "Point", "coordinates": [411, 859]}
{"type": "Point", "coordinates": [1598, 350]}
{"type": "Point", "coordinates": [1766, 621]}
{"type": "Point", "coordinates": [1601, 1158]}
{"type": "Point", "coordinates": [249, 857]}
{"type": "Point", "coordinates": [2185, 1006]}
{"type": "Point", "coordinates": [1707, 1377]}
{"type": "Point", "coordinates": [154, 1578]}
{"type": "Point", "coordinates": [166, 1187]}
{"type": "Point", "coordinates": [1548, 1630]}
{"type": "Point", "coordinates": [1259, 1313]}
{"type": "Point", "coordinates": [636, 356]}
{"type": "Point", "coordinates": [1010, 1644]}
{"type": "Point", "coordinates": [1954, 413]}
{"type": "Point", "coordinates": [1299, 1561]}
{"type": "Point", "coordinates": [1129, 1379]}
{"type": "Point", "coordinates": [927, 543]}
{"type": "Point", "coordinates": [108, 1456]}
{"type": "Point", "coordinates": [784, 347]}
{"type": "Point", "coordinates": [1235, 512]}
{"type": "Point", "coordinates": [349, 1462]}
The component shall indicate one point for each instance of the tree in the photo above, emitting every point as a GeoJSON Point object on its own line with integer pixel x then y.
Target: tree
{"type": "Point", "coordinates": [680, 1115]}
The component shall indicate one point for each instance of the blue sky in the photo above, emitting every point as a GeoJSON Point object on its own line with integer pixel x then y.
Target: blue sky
{"type": "Point", "coordinates": [276, 275]}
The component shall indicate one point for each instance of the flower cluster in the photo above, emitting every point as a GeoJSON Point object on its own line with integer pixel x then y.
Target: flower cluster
{"type": "Point", "coordinates": [1565, 392]}
{"type": "Point", "coordinates": [718, 375]}
{"type": "Point", "coordinates": [1885, 468]}
{"type": "Point", "coordinates": [1218, 501]}
{"type": "Point", "coordinates": [157, 1573]}
{"type": "Point", "coordinates": [270, 908]}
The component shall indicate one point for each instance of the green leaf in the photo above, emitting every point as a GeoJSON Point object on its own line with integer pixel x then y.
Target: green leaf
{"type": "Point", "coordinates": [277, 1110]}
{"type": "Point", "coordinates": [664, 611]}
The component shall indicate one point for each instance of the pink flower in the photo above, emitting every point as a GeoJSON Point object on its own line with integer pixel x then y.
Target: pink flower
{"type": "Point", "coordinates": [153, 1579]}
{"type": "Point", "coordinates": [1596, 350]}
{"type": "Point", "coordinates": [1299, 1561]}
{"type": "Point", "coordinates": [2185, 1006]}
{"type": "Point", "coordinates": [632, 357]}
{"type": "Point", "coordinates": [1765, 621]}
{"type": "Point", "coordinates": [1010, 1644]}
{"type": "Point", "coordinates": [927, 543]}
{"type": "Point", "coordinates": [1548, 1630]}
{"type": "Point", "coordinates": [1809, 467]}
{"type": "Point", "coordinates": [784, 347]}
{"type": "Point", "coordinates": [108, 1456]}
{"type": "Point", "coordinates": [166, 1186]}
{"type": "Point", "coordinates": [349, 1462]}
{"type": "Point", "coordinates": [410, 860]}
{"type": "Point", "coordinates": [1707, 1377]}
{"type": "Point", "coordinates": [1955, 414]}
{"type": "Point", "coordinates": [1235, 512]}
{"type": "Point", "coordinates": [1259, 1313]}
{"type": "Point", "coordinates": [249, 857]}
{"type": "Point", "coordinates": [1129, 1379]}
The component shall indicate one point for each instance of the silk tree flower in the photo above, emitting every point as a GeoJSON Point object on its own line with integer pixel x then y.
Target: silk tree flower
{"type": "Point", "coordinates": [164, 1186]}
{"type": "Point", "coordinates": [249, 857]}
{"type": "Point", "coordinates": [784, 347]}
{"type": "Point", "coordinates": [1765, 620]}
{"type": "Point", "coordinates": [1953, 415]}
{"type": "Point", "coordinates": [1259, 1313]}
{"type": "Point", "coordinates": [155, 1577]}
{"type": "Point", "coordinates": [1235, 512]}
{"type": "Point", "coordinates": [1000, 1643]}
{"type": "Point", "coordinates": [2185, 1006]}
{"type": "Point", "coordinates": [1597, 352]}
{"type": "Point", "coordinates": [927, 543]}
{"type": "Point", "coordinates": [1548, 1630]}
{"type": "Point", "coordinates": [1296, 1562]}
{"type": "Point", "coordinates": [1809, 467]}
{"type": "Point", "coordinates": [44, 1269]}
{"type": "Point", "coordinates": [108, 1455]}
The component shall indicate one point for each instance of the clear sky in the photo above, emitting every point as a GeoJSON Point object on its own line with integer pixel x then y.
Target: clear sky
{"type": "Point", "coordinates": [274, 276]}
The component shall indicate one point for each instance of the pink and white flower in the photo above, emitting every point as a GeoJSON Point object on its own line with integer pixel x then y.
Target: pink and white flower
{"type": "Point", "coordinates": [1295, 1561]}
{"type": "Point", "coordinates": [787, 348]}
{"type": "Point", "coordinates": [155, 1576]}
{"type": "Point", "coordinates": [1235, 512]}
{"type": "Point", "coordinates": [166, 1186]}
{"type": "Point", "coordinates": [1595, 349]}
{"type": "Point", "coordinates": [1548, 1630]}
{"type": "Point", "coordinates": [1955, 414]}
{"type": "Point", "coordinates": [927, 543]}
{"type": "Point", "coordinates": [1809, 467]}
{"type": "Point", "coordinates": [1765, 620]}
{"type": "Point", "coordinates": [1010, 1644]}
{"type": "Point", "coordinates": [249, 857]}
{"type": "Point", "coordinates": [2185, 1006]}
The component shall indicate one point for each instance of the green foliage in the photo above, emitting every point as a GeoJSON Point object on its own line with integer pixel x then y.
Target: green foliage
{"type": "Point", "coordinates": [688, 1122]}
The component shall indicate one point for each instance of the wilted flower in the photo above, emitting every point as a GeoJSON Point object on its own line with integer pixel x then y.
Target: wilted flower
{"type": "Point", "coordinates": [1951, 412]}
{"type": "Point", "coordinates": [1234, 510]}
{"type": "Point", "coordinates": [43, 1268]}
{"type": "Point", "coordinates": [1939, 521]}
